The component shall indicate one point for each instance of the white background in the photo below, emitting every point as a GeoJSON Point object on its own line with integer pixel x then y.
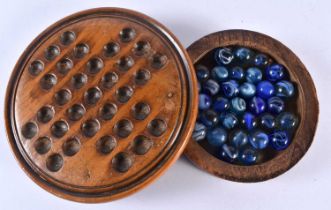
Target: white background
{"type": "Point", "coordinates": [304, 26]}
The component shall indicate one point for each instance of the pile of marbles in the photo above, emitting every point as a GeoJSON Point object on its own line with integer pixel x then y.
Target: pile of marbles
{"type": "Point", "coordinates": [243, 105]}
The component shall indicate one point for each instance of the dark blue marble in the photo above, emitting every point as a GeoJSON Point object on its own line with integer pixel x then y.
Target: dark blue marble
{"type": "Point", "coordinates": [248, 156]}
{"type": "Point", "coordinates": [204, 101]}
{"type": "Point", "coordinates": [216, 137]}
{"type": "Point", "coordinates": [223, 56]}
{"type": "Point", "coordinates": [259, 140]}
{"type": "Point", "coordinates": [209, 118]}
{"type": "Point", "coordinates": [243, 54]}
{"type": "Point", "coordinates": [221, 104]}
{"type": "Point", "coordinates": [253, 75]}
{"type": "Point", "coordinates": [237, 73]}
{"type": "Point", "coordinates": [265, 89]}
{"type": "Point", "coordinates": [220, 73]}
{"type": "Point", "coordinates": [238, 139]}
{"type": "Point", "coordinates": [211, 87]}
{"type": "Point", "coordinates": [275, 72]}
{"type": "Point", "coordinates": [247, 90]}
{"type": "Point", "coordinates": [279, 140]}
{"type": "Point", "coordinates": [199, 87]}
{"type": "Point", "coordinates": [261, 60]}
{"type": "Point", "coordinates": [229, 121]}
{"type": "Point", "coordinates": [286, 121]}
{"type": "Point", "coordinates": [267, 121]}
{"type": "Point", "coordinates": [238, 105]}
{"type": "Point", "coordinates": [202, 73]}
{"type": "Point", "coordinates": [284, 89]}
{"type": "Point", "coordinates": [199, 132]}
{"type": "Point", "coordinates": [257, 105]}
{"type": "Point", "coordinates": [230, 88]}
{"type": "Point", "coordinates": [248, 121]}
{"type": "Point", "coordinates": [276, 105]}
{"type": "Point", "coordinates": [228, 153]}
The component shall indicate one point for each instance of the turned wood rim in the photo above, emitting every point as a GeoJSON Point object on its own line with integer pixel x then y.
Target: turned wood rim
{"type": "Point", "coordinates": [182, 137]}
{"type": "Point", "coordinates": [307, 104]}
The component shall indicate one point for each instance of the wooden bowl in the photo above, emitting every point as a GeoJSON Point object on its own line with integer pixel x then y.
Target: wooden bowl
{"type": "Point", "coordinates": [100, 104]}
{"type": "Point", "coordinates": [305, 105]}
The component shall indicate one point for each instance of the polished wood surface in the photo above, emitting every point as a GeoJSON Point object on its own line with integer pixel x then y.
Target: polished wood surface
{"type": "Point", "coordinates": [100, 104]}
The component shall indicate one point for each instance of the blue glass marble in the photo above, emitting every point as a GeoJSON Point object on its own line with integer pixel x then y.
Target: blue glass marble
{"type": "Point", "coordinates": [257, 105]}
{"type": "Point", "coordinates": [286, 121]}
{"type": "Point", "coordinates": [220, 73]}
{"type": "Point", "coordinates": [228, 153]}
{"type": "Point", "coordinates": [248, 156]}
{"type": "Point", "coordinates": [279, 140]}
{"type": "Point", "coordinates": [216, 137]}
{"type": "Point", "coordinates": [248, 121]}
{"type": "Point", "coordinates": [238, 105]}
{"type": "Point", "coordinates": [275, 72]}
{"type": "Point", "coordinates": [247, 90]}
{"type": "Point", "coordinates": [265, 89]}
{"type": "Point", "coordinates": [284, 89]}
{"type": "Point", "coordinates": [229, 121]}
{"type": "Point", "coordinates": [253, 75]}
{"type": "Point", "coordinates": [261, 60]}
{"type": "Point", "coordinates": [199, 132]}
{"type": "Point", "coordinates": [239, 139]}
{"type": "Point", "coordinates": [243, 54]}
{"type": "Point", "coordinates": [230, 88]}
{"type": "Point", "coordinates": [275, 105]}
{"type": "Point", "coordinates": [202, 73]}
{"type": "Point", "coordinates": [204, 101]}
{"type": "Point", "coordinates": [223, 56]}
{"type": "Point", "coordinates": [259, 140]}
{"type": "Point", "coordinates": [221, 104]}
{"type": "Point", "coordinates": [199, 87]}
{"type": "Point", "coordinates": [267, 121]}
{"type": "Point", "coordinates": [211, 87]}
{"type": "Point", "coordinates": [209, 118]}
{"type": "Point", "coordinates": [237, 73]}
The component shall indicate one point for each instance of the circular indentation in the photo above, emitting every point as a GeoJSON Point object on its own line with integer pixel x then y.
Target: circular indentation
{"type": "Point", "coordinates": [106, 144]}
{"type": "Point", "coordinates": [76, 112]}
{"type": "Point", "coordinates": [59, 128]}
{"type": "Point", "coordinates": [142, 76]}
{"type": "Point", "coordinates": [71, 146]}
{"type": "Point", "coordinates": [142, 145]}
{"type": "Point", "coordinates": [90, 127]}
{"type": "Point", "coordinates": [125, 63]}
{"type": "Point", "coordinates": [67, 37]}
{"type": "Point", "coordinates": [54, 162]}
{"type": "Point", "coordinates": [122, 162]}
{"type": "Point", "coordinates": [42, 145]}
{"type": "Point", "coordinates": [157, 127]}
{"type": "Point", "coordinates": [108, 111]}
{"type": "Point", "coordinates": [111, 49]}
{"type": "Point", "coordinates": [140, 110]}
{"type": "Point", "coordinates": [81, 50]}
{"type": "Point", "coordinates": [64, 65]}
{"type": "Point", "coordinates": [127, 34]}
{"type": "Point", "coordinates": [92, 95]}
{"type": "Point", "coordinates": [159, 60]}
{"type": "Point", "coordinates": [48, 81]}
{"type": "Point", "coordinates": [123, 128]}
{"type": "Point", "coordinates": [94, 65]}
{"type": "Point", "coordinates": [62, 97]}
{"type": "Point", "coordinates": [124, 93]}
{"type": "Point", "coordinates": [36, 67]}
{"type": "Point", "coordinates": [141, 48]}
{"type": "Point", "coordinates": [45, 114]}
{"type": "Point", "coordinates": [29, 130]}
{"type": "Point", "coordinates": [78, 80]}
{"type": "Point", "coordinates": [109, 80]}
{"type": "Point", "coordinates": [52, 52]}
